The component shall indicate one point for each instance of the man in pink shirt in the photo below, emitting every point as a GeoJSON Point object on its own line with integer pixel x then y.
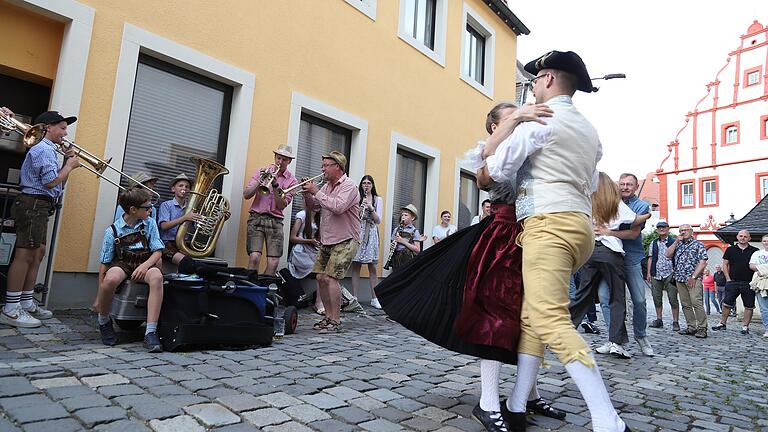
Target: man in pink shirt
{"type": "Point", "coordinates": [265, 224]}
{"type": "Point", "coordinates": [338, 203]}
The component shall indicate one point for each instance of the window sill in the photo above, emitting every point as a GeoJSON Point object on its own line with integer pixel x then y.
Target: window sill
{"type": "Point", "coordinates": [486, 90]}
{"type": "Point", "coordinates": [437, 57]}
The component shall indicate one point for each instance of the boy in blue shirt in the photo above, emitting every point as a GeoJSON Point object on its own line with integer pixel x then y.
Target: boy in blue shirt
{"type": "Point", "coordinates": [405, 236]}
{"type": "Point", "coordinates": [131, 248]}
{"type": "Point", "coordinates": [170, 217]}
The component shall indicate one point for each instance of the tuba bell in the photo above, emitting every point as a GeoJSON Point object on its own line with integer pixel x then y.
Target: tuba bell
{"type": "Point", "coordinates": [207, 202]}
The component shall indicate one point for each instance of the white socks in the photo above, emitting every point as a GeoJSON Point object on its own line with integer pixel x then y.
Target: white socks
{"type": "Point", "coordinates": [12, 299]}
{"type": "Point", "coordinates": [527, 368]}
{"type": "Point", "coordinates": [27, 299]}
{"type": "Point", "coordinates": [592, 388]}
{"type": "Point", "coordinates": [489, 385]}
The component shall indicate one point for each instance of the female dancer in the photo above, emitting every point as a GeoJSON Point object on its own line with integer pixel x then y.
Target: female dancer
{"type": "Point", "coordinates": [475, 307]}
{"type": "Point", "coordinates": [371, 206]}
{"type": "Point", "coordinates": [606, 265]}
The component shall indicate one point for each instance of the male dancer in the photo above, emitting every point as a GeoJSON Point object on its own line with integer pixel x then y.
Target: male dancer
{"type": "Point", "coordinates": [555, 166]}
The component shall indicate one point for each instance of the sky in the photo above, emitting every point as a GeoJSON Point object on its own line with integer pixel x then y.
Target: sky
{"type": "Point", "coordinates": [668, 50]}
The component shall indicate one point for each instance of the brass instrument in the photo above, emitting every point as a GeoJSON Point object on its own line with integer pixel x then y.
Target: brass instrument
{"type": "Point", "coordinates": [267, 178]}
{"type": "Point", "coordinates": [282, 193]}
{"type": "Point", "coordinates": [211, 206]}
{"type": "Point", "coordinates": [33, 134]}
{"type": "Point", "coordinates": [393, 245]}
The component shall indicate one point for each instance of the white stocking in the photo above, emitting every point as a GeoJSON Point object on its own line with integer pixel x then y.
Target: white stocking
{"type": "Point", "coordinates": [489, 385]}
{"type": "Point", "coordinates": [527, 368]}
{"type": "Point", "coordinates": [592, 388]}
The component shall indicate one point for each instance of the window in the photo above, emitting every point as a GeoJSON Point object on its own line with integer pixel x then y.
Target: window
{"type": "Point", "coordinates": [368, 7]}
{"type": "Point", "coordinates": [685, 194]}
{"type": "Point", "coordinates": [708, 192]}
{"type": "Point", "coordinates": [422, 24]}
{"type": "Point", "coordinates": [764, 127]}
{"type": "Point", "coordinates": [410, 187]}
{"type": "Point", "coordinates": [730, 134]}
{"type": "Point", "coordinates": [469, 200]}
{"type": "Point", "coordinates": [761, 185]}
{"type": "Point", "coordinates": [752, 76]}
{"type": "Point", "coordinates": [477, 52]}
{"type": "Point", "coordinates": [316, 138]}
{"type": "Point", "coordinates": [163, 95]}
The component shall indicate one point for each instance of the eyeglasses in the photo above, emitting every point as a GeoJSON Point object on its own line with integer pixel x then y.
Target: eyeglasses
{"type": "Point", "coordinates": [533, 80]}
{"type": "Point", "coordinates": [149, 207]}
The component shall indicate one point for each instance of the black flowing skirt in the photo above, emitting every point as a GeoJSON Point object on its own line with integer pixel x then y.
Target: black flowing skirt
{"type": "Point", "coordinates": [427, 293]}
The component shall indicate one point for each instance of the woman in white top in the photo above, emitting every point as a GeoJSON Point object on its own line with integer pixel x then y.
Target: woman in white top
{"type": "Point", "coordinates": [368, 252]}
{"type": "Point", "coordinates": [444, 229]}
{"type": "Point", "coordinates": [305, 239]}
{"type": "Point", "coordinates": [605, 267]}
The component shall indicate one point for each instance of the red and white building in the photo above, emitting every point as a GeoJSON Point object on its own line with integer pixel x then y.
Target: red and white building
{"type": "Point", "coordinates": [717, 163]}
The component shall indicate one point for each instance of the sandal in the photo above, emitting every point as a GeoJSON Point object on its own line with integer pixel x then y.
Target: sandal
{"type": "Point", "coordinates": [331, 326]}
{"type": "Point", "coordinates": [322, 324]}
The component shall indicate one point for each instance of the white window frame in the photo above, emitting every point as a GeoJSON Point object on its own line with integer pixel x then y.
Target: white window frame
{"type": "Point", "coordinates": [136, 40]}
{"type": "Point", "coordinates": [301, 103]}
{"type": "Point", "coordinates": [441, 19]}
{"type": "Point", "coordinates": [763, 184]}
{"type": "Point", "coordinates": [755, 74]}
{"type": "Point", "coordinates": [732, 130]}
{"type": "Point", "coordinates": [459, 168]}
{"type": "Point", "coordinates": [705, 192]}
{"type": "Point", "coordinates": [432, 154]}
{"type": "Point", "coordinates": [367, 7]}
{"type": "Point", "coordinates": [471, 17]}
{"type": "Point", "coordinates": [683, 195]}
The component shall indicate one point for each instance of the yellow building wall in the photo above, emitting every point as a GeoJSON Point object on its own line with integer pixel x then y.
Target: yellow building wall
{"type": "Point", "coordinates": [31, 44]}
{"type": "Point", "coordinates": [327, 50]}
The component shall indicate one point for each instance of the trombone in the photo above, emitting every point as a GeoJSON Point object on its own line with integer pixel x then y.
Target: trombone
{"type": "Point", "coordinates": [282, 193]}
{"type": "Point", "coordinates": [33, 134]}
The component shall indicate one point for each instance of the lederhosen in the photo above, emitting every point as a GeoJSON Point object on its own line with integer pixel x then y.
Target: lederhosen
{"type": "Point", "coordinates": [170, 250]}
{"type": "Point", "coordinates": [127, 259]}
{"type": "Point", "coordinates": [402, 256]}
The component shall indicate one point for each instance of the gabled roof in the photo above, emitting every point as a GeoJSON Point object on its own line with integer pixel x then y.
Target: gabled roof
{"type": "Point", "coordinates": [501, 9]}
{"type": "Point", "coordinates": [755, 221]}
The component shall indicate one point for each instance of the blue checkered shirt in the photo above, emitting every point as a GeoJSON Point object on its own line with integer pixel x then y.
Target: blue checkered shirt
{"type": "Point", "coordinates": [150, 229]}
{"type": "Point", "coordinates": [40, 167]}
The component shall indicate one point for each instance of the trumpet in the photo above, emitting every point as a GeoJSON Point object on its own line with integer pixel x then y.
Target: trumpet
{"type": "Point", "coordinates": [293, 189]}
{"type": "Point", "coordinates": [267, 178]}
{"type": "Point", "coordinates": [33, 134]}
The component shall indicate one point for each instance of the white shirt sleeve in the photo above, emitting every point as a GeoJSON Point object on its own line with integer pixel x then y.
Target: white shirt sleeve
{"type": "Point", "coordinates": [625, 216]}
{"type": "Point", "coordinates": [526, 139]}
{"type": "Point", "coordinates": [596, 173]}
{"type": "Point", "coordinates": [380, 208]}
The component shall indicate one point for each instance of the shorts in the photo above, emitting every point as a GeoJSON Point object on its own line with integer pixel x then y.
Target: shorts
{"type": "Point", "coordinates": [335, 260]}
{"type": "Point", "coordinates": [263, 227]}
{"type": "Point", "coordinates": [657, 290]}
{"type": "Point", "coordinates": [170, 250]}
{"type": "Point", "coordinates": [30, 214]}
{"type": "Point", "coordinates": [734, 289]}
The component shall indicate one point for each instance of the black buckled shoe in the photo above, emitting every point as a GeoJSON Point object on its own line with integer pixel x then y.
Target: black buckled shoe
{"type": "Point", "coordinates": [491, 420]}
{"type": "Point", "coordinates": [108, 335]}
{"type": "Point", "coordinates": [152, 343]}
{"type": "Point", "coordinates": [540, 406]}
{"type": "Point", "coordinates": [516, 421]}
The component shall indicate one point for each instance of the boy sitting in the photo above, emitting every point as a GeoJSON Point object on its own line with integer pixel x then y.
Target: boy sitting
{"type": "Point", "coordinates": [131, 248]}
{"type": "Point", "coordinates": [170, 217]}
{"type": "Point", "coordinates": [406, 235]}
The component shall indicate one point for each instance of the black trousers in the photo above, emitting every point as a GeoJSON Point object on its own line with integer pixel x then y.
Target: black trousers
{"type": "Point", "coordinates": [604, 264]}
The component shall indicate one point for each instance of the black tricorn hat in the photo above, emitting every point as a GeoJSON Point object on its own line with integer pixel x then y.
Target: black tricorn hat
{"type": "Point", "coordinates": [567, 61]}
{"type": "Point", "coordinates": [50, 117]}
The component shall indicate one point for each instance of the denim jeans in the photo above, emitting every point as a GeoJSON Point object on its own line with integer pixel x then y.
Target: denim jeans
{"type": "Point", "coordinates": [763, 303]}
{"type": "Point", "coordinates": [636, 285]}
{"type": "Point", "coordinates": [604, 294]}
{"type": "Point", "coordinates": [591, 315]}
{"type": "Point", "coordinates": [711, 296]}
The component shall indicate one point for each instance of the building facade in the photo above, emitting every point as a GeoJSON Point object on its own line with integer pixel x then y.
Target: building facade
{"type": "Point", "coordinates": [717, 165]}
{"type": "Point", "coordinates": [401, 87]}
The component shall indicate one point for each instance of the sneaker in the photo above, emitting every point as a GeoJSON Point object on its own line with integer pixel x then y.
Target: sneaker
{"type": "Point", "coordinates": [152, 343]}
{"type": "Point", "coordinates": [376, 305]}
{"type": "Point", "coordinates": [719, 327]}
{"type": "Point", "coordinates": [675, 326]}
{"type": "Point", "coordinates": [352, 306]}
{"type": "Point", "coordinates": [18, 317]}
{"type": "Point", "coordinates": [701, 333]}
{"type": "Point", "coordinates": [765, 335]}
{"type": "Point", "coordinates": [745, 330]}
{"type": "Point", "coordinates": [687, 332]}
{"type": "Point", "coordinates": [588, 327]}
{"type": "Point", "coordinates": [619, 351]}
{"type": "Point", "coordinates": [108, 335]}
{"type": "Point", "coordinates": [604, 349]}
{"type": "Point", "coordinates": [657, 323]}
{"type": "Point", "coordinates": [39, 312]}
{"type": "Point", "coordinates": [645, 346]}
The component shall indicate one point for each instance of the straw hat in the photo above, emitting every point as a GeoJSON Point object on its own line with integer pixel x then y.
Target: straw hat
{"type": "Point", "coordinates": [412, 209]}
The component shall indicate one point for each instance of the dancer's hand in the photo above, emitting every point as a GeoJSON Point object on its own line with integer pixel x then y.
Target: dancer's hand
{"type": "Point", "coordinates": [535, 113]}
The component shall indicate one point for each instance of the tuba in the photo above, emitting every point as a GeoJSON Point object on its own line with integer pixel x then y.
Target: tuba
{"type": "Point", "coordinates": [210, 204]}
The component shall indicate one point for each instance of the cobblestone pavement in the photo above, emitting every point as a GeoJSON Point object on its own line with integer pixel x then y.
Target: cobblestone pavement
{"type": "Point", "coordinates": [374, 376]}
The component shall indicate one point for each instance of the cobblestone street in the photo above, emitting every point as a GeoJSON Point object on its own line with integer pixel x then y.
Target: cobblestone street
{"type": "Point", "coordinates": [374, 376]}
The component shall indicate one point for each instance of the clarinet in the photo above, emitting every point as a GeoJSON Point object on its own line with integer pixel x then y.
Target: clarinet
{"type": "Point", "coordinates": [392, 247]}
{"type": "Point", "coordinates": [362, 205]}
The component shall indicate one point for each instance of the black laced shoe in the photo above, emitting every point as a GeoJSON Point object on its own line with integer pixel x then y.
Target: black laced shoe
{"type": "Point", "coordinates": [492, 420]}
{"type": "Point", "coordinates": [516, 421]}
{"type": "Point", "coordinates": [540, 406]}
{"type": "Point", "coordinates": [108, 335]}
